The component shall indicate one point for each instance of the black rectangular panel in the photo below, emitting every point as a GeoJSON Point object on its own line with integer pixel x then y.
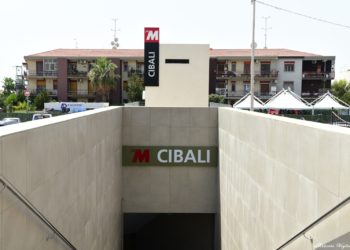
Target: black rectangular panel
{"type": "Point", "coordinates": [152, 64]}
{"type": "Point", "coordinates": [179, 61]}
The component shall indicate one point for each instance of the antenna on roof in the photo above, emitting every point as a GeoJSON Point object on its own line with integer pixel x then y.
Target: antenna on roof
{"type": "Point", "coordinates": [76, 44]}
{"type": "Point", "coordinates": [115, 40]}
{"type": "Point", "coordinates": [266, 29]}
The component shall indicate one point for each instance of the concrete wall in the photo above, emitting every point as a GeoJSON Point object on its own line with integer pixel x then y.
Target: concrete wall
{"type": "Point", "coordinates": [69, 167]}
{"type": "Point", "coordinates": [278, 175]}
{"type": "Point", "coordinates": [181, 85]}
{"type": "Point", "coordinates": [170, 189]}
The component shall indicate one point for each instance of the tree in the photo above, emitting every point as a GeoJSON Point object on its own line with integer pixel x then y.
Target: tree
{"type": "Point", "coordinates": [342, 90]}
{"type": "Point", "coordinates": [8, 84]}
{"type": "Point", "coordinates": [216, 98]}
{"type": "Point", "coordinates": [103, 78]}
{"type": "Point", "coordinates": [41, 99]}
{"type": "Point", "coordinates": [20, 97]}
{"type": "Point", "coordinates": [3, 97]}
{"type": "Point", "coordinates": [136, 88]}
{"type": "Point", "coordinates": [11, 99]}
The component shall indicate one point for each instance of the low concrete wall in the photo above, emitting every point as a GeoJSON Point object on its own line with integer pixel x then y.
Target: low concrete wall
{"type": "Point", "coordinates": [69, 168]}
{"type": "Point", "coordinates": [277, 175]}
{"type": "Point", "coordinates": [170, 189]}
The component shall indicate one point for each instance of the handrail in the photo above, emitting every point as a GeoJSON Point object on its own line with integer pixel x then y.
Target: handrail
{"type": "Point", "coordinates": [8, 185]}
{"type": "Point", "coordinates": [316, 222]}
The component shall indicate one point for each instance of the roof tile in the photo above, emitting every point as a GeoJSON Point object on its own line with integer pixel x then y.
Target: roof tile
{"type": "Point", "coordinates": [140, 53]}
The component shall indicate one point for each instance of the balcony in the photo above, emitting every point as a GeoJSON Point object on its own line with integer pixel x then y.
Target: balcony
{"type": "Point", "coordinates": [51, 92]}
{"type": "Point", "coordinates": [81, 93]}
{"type": "Point", "coordinates": [138, 73]}
{"type": "Point", "coordinates": [315, 94]}
{"type": "Point", "coordinates": [318, 75]}
{"type": "Point", "coordinates": [239, 94]}
{"type": "Point", "coordinates": [34, 73]}
{"type": "Point", "coordinates": [77, 74]}
{"type": "Point", "coordinates": [246, 75]}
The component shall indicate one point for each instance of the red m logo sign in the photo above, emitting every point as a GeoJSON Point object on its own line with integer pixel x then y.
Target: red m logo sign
{"type": "Point", "coordinates": [141, 156]}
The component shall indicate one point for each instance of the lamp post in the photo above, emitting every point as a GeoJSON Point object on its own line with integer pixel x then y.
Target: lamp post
{"type": "Point", "coordinates": [252, 63]}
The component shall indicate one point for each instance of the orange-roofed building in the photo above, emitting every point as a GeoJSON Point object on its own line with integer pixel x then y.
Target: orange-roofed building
{"type": "Point", "coordinates": [64, 72]}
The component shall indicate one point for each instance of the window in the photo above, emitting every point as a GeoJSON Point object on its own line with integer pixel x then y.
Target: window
{"type": "Point", "coordinates": [233, 66]}
{"type": "Point", "coordinates": [287, 85]}
{"type": "Point", "coordinates": [125, 85]}
{"type": "Point", "coordinates": [247, 67]}
{"type": "Point", "coordinates": [246, 88]}
{"type": "Point", "coordinates": [140, 68]}
{"type": "Point", "coordinates": [265, 67]}
{"type": "Point", "coordinates": [179, 61]}
{"type": "Point", "coordinates": [220, 85]}
{"type": "Point", "coordinates": [233, 86]}
{"type": "Point", "coordinates": [125, 66]}
{"type": "Point", "coordinates": [40, 85]}
{"type": "Point", "coordinates": [50, 64]}
{"type": "Point", "coordinates": [54, 84]}
{"type": "Point", "coordinates": [289, 66]}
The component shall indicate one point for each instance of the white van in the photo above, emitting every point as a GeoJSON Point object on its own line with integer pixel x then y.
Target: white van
{"type": "Point", "coordinates": [41, 116]}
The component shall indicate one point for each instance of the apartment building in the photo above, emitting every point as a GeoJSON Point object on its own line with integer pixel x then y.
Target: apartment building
{"type": "Point", "coordinates": [64, 73]}
{"type": "Point", "coordinates": [309, 75]}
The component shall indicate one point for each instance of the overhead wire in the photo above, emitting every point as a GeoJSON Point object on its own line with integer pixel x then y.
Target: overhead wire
{"type": "Point", "coordinates": [292, 12]}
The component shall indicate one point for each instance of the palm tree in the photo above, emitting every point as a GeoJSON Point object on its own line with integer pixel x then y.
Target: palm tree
{"type": "Point", "coordinates": [103, 78]}
{"type": "Point", "coordinates": [8, 85]}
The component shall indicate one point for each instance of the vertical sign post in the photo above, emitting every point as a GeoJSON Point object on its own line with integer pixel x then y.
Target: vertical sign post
{"type": "Point", "coordinates": [152, 57]}
{"type": "Point", "coordinates": [26, 93]}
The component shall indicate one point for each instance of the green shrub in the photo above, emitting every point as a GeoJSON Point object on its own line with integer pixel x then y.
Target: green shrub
{"type": "Point", "coordinates": [41, 99]}
{"type": "Point", "coordinates": [22, 105]}
{"type": "Point", "coordinates": [216, 98]}
{"type": "Point", "coordinates": [11, 99]}
{"type": "Point", "coordinates": [32, 107]}
{"type": "Point", "coordinates": [21, 97]}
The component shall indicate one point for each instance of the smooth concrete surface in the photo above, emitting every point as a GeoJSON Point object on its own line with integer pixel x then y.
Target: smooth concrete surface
{"type": "Point", "coordinates": [69, 168]}
{"type": "Point", "coordinates": [278, 175]}
{"type": "Point", "coordinates": [181, 85]}
{"type": "Point", "coordinates": [170, 189]}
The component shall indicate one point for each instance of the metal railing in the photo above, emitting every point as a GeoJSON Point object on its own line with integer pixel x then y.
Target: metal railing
{"type": "Point", "coordinates": [49, 91]}
{"type": "Point", "coordinates": [139, 74]}
{"type": "Point", "coordinates": [39, 73]}
{"type": "Point", "coordinates": [81, 92]}
{"type": "Point", "coordinates": [316, 222]}
{"type": "Point", "coordinates": [23, 199]}
{"type": "Point", "coordinates": [227, 93]}
{"type": "Point", "coordinates": [309, 74]}
{"type": "Point", "coordinates": [247, 74]}
{"type": "Point", "coordinates": [77, 73]}
{"type": "Point", "coordinates": [315, 94]}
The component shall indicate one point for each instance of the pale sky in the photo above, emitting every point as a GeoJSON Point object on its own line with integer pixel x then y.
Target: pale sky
{"type": "Point", "coordinates": [29, 27]}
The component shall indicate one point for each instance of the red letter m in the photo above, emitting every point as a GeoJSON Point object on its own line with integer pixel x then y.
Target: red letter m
{"type": "Point", "coordinates": [141, 156]}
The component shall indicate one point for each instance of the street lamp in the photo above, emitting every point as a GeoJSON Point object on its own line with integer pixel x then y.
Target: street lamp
{"type": "Point", "coordinates": [252, 62]}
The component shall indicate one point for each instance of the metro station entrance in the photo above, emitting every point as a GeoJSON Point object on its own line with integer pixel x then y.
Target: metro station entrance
{"type": "Point", "coordinates": [155, 231]}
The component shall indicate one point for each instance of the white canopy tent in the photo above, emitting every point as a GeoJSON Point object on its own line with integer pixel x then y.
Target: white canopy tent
{"type": "Point", "coordinates": [244, 103]}
{"type": "Point", "coordinates": [329, 101]}
{"type": "Point", "coordinates": [287, 99]}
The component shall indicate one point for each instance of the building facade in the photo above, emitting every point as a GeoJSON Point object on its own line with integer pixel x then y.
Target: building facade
{"type": "Point", "coordinates": [64, 73]}
{"type": "Point", "coordinates": [308, 75]}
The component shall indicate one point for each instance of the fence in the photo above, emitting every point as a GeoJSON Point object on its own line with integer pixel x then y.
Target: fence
{"type": "Point", "coordinates": [327, 119]}
{"type": "Point", "coordinates": [25, 117]}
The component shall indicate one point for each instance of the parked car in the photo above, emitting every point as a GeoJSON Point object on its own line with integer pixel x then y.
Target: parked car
{"type": "Point", "coordinates": [41, 116]}
{"type": "Point", "coordinates": [10, 121]}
